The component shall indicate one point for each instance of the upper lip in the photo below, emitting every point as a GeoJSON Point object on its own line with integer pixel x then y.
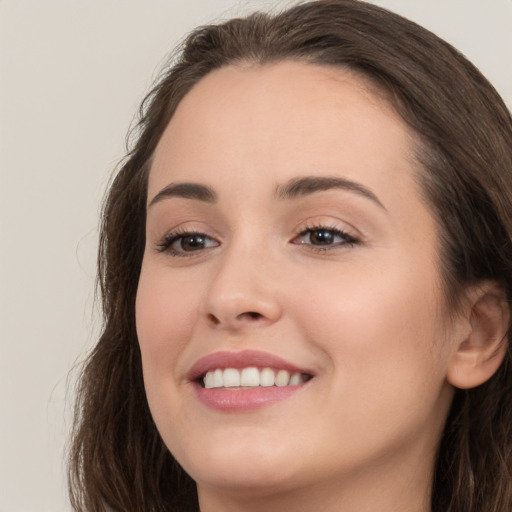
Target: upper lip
{"type": "Point", "coordinates": [243, 359]}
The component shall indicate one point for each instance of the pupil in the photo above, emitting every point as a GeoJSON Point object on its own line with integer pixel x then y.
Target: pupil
{"type": "Point", "coordinates": [322, 237]}
{"type": "Point", "coordinates": [193, 242]}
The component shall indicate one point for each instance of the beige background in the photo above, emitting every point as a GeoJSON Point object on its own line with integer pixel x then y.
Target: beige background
{"type": "Point", "coordinates": [72, 74]}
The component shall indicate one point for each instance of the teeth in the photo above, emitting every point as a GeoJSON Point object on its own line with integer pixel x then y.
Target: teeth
{"type": "Point", "coordinates": [218, 379]}
{"type": "Point", "coordinates": [282, 378]}
{"type": "Point", "coordinates": [267, 377]}
{"type": "Point", "coordinates": [231, 378]}
{"type": "Point", "coordinates": [295, 379]}
{"type": "Point", "coordinates": [251, 377]}
{"type": "Point", "coordinates": [209, 380]}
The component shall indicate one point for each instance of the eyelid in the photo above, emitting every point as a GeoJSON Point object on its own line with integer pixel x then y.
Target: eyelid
{"type": "Point", "coordinates": [164, 243]}
{"type": "Point", "coordinates": [349, 238]}
{"type": "Point", "coordinates": [319, 222]}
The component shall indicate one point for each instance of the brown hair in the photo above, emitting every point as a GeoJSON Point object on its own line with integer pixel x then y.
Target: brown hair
{"type": "Point", "coordinates": [117, 458]}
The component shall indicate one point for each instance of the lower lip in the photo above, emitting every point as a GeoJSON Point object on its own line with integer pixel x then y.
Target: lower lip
{"type": "Point", "coordinates": [240, 400]}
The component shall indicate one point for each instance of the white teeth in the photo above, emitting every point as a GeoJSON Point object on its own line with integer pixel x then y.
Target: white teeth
{"type": "Point", "coordinates": [209, 380]}
{"type": "Point", "coordinates": [296, 379]}
{"type": "Point", "coordinates": [231, 378]}
{"type": "Point", "coordinates": [267, 377]}
{"type": "Point", "coordinates": [218, 379]}
{"type": "Point", "coordinates": [282, 378]}
{"type": "Point", "coordinates": [251, 377]}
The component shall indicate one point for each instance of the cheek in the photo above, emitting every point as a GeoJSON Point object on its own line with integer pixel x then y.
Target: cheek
{"type": "Point", "coordinates": [378, 325]}
{"type": "Point", "coordinates": [166, 314]}
{"type": "Point", "coordinates": [387, 365]}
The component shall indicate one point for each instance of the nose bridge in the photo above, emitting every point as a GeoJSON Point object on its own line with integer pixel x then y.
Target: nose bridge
{"type": "Point", "coordinates": [243, 289]}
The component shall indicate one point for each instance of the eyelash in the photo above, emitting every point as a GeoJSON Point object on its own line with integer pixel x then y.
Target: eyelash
{"type": "Point", "coordinates": [348, 240]}
{"type": "Point", "coordinates": [165, 245]}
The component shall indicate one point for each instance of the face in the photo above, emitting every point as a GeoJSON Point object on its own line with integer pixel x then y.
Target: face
{"type": "Point", "coordinates": [292, 265]}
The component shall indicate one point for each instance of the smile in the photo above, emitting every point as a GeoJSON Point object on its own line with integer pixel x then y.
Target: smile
{"type": "Point", "coordinates": [247, 380]}
{"type": "Point", "coordinates": [252, 377]}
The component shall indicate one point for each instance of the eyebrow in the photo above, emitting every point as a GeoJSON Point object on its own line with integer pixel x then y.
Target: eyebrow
{"type": "Point", "coordinates": [293, 189]}
{"type": "Point", "coordinates": [299, 187]}
{"type": "Point", "coordinates": [186, 191]}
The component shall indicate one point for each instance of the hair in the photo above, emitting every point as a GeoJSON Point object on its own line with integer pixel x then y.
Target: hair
{"type": "Point", "coordinates": [118, 461]}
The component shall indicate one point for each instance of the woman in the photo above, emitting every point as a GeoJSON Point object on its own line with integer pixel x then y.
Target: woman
{"type": "Point", "coordinates": [305, 272]}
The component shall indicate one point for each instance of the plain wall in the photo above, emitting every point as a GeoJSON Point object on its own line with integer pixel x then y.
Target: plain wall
{"type": "Point", "coordinates": [71, 77]}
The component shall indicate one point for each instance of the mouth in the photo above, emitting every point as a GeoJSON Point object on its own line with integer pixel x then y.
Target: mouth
{"type": "Point", "coordinates": [251, 377]}
{"type": "Point", "coordinates": [239, 381]}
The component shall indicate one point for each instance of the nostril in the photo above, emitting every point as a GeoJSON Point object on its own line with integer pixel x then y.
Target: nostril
{"type": "Point", "coordinates": [247, 317]}
{"type": "Point", "coordinates": [213, 319]}
{"type": "Point", "coordinates": [253, 315]}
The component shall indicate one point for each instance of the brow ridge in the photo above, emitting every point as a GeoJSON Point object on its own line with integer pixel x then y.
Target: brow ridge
{"type": "Point", "coordinates": [186, 191]}
{"type": "Point", "coordinates": [299, 187]}
{"type": "Point", "coordinates": [293, 189]}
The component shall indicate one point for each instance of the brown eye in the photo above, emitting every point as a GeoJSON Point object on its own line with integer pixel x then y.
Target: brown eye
{"type": "Point", "coordinates": [191, 242]}
{"type": "Point", "coordinates": [179, 244]}
{"type": "Point", "coordinates": [324, 237]}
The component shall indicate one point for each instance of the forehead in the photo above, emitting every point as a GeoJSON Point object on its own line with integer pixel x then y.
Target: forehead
{"type": "Point", "coordinates": [280, 121]}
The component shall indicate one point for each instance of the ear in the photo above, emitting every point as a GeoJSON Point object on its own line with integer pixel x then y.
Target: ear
{"type": "Point", "coordinates": [480, 353]}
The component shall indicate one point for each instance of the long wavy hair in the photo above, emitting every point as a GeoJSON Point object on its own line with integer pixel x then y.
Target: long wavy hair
{"type": "Point", "coordinates": [118, 461]}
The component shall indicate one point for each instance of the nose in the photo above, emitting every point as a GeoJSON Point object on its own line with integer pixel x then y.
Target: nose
{"type": "Point", "coordinates": [242, 294]}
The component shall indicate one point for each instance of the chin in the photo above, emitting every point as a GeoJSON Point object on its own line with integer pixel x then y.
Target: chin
{"type": "Point", "coordinates": [247, 481]}
{"type": "Point", "coordinates": [241, 466]}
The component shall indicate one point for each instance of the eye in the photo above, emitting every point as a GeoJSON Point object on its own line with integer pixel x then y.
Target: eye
{"type": "Point", "coordinates": [324, 238]}
{"type": "Point", "coordinates": [179, 244]}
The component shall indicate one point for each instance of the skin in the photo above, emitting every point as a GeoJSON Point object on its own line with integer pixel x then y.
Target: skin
{"type": "Point", "coordinates": [367, 318]}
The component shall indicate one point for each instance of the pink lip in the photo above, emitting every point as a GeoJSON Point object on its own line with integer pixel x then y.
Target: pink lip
{"type": "Point", "coordinates": [239, 360]}
{"type": "Point", "coordinates": [230, 400]}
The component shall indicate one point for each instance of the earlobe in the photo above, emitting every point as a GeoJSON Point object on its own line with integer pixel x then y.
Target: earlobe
{"type": "Point", "coordinates": [479, 354]}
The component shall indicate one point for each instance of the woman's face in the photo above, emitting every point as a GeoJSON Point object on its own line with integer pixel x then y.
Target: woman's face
{"type": "Point", "coordinates": [286, 233]}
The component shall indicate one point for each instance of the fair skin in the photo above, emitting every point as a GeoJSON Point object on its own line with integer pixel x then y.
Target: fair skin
{"type": "Point", "coordinates": [339, 279]}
